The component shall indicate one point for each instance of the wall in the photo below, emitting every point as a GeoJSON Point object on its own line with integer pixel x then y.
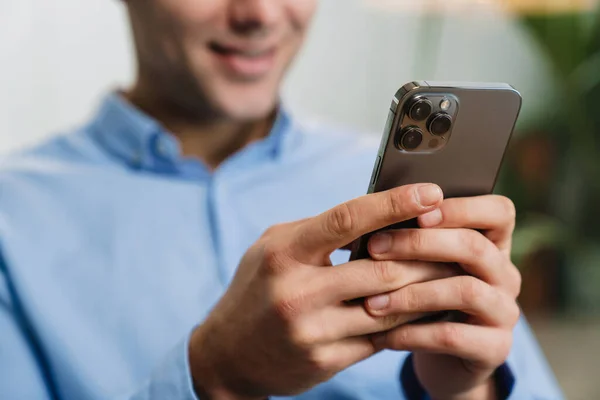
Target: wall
{"type": "Point", "coordinates": [56, 58]}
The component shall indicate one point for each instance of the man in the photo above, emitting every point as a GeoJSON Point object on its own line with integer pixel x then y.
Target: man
{"type": "Point", "coordinates": [150, 254]}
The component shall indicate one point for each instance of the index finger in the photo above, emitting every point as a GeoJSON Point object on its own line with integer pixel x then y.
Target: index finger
{"type": "Point", "coordinates": [493, 214]}
{"type": "Point", "coordinates": [335, 228]}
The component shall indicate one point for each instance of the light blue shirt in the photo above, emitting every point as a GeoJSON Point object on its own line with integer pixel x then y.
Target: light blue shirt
{"type": "Point", "coordinates": [113, 247]}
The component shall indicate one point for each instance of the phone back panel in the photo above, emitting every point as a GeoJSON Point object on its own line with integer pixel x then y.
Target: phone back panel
{"type": "Point", "coordinates": [469, 162]}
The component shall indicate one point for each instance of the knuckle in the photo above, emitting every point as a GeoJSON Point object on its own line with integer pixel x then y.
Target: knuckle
{"type": "Point", "coordinates": [389, 321]}
{"type": "Point", "coordinates": [321, 360]}
{"type": "Point", "coordinates": [415, 240]}
{"type": "Point", "coordinates": [272, 231]}
{"type": "Point", "coordinates": [476, 243]}
{"type": "Point", "coordinates": [471, 290]}
{"type": "Point", "coordinates": [288, 307]}
{"type": "Point", "coordinates": [510, 310]}
{"type": "Point", "coordinates": [398, 201]}
{"type": "Point", "coordinates": [449, 336]}
{"type": "Point", "coordinates": [305, 335]}
{"type": "Point", "coordinates": [382, 271]}
{"type": "Point", "coordinates": [340, 220]}
{"type": "Point", "coordinates": [274, 256]}
{"type": "Point", "coordinates": [409, 300]}
{"type": "Point", "coordinates": [399, 339]}
{"type": "Point", "coordinates": [512, 280]}
{"type": "Point", "coordinates": [515, 313]}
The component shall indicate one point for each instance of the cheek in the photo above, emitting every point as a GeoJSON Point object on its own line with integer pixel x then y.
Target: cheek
{"type": "Point", "coordinates": [191, 17]}
{"type": "Point", "coordinates": [183, 10]}
{"type": "Point", "coordinates": [183, 27]}
{"type": "Point", "coordinates": [301, 12]}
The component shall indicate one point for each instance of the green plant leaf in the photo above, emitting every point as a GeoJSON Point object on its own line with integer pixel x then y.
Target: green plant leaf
{"type": "Point", "coordinates": [563, 37]}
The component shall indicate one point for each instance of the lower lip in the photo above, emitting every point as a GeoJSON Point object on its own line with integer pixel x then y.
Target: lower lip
{"type": "Point", "coordinates": [248, 67]}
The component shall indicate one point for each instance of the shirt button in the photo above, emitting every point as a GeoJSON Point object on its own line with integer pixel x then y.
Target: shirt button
{"type": "Point", "coordinates": [162, 148]}
{"type": "Point", "coordinates": [167, 147]}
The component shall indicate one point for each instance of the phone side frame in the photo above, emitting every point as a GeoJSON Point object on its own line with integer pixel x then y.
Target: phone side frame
{"type": "Point", "coordinates": [390, 126]}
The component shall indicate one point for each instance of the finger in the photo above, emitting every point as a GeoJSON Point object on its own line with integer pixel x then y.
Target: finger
{"type": "Point", "coordinates": [493, 214]}
{"type": "Point", "coordinates": [474, 252]}
{"type": "Point", "coordinates": [355, 280]}
{"type": "Point", "coordinates": [483, 346]}
{"type": "Point", "coordinates": [339, 355]}
{"type": "Point", "coordinates": [462, 293]}
{"type": "Point", "coordinates": [363, 278]}
{"type": "Point", "coordinates": [352, 320]}
{"type": "Point", "coordinates": [345, 223]}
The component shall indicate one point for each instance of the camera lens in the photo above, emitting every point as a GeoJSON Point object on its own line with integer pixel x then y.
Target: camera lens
{"type": "Point", "coordinates": [420, 109]}
{"type": "Point", "coordinates": [409, 138]}
{"type": "Point", "coordinates": [440, 124]}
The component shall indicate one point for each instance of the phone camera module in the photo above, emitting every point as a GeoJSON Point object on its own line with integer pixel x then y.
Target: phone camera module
{"type": "Point", "coordinates": [420, 109]}
{"type": "Point", "coordinates": [409, 138]}
{"type": "Point", "coordinates": [440, 124]}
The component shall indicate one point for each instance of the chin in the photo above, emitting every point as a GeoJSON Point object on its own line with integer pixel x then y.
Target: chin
{"type": "Point", "coordinates": [249, 106]}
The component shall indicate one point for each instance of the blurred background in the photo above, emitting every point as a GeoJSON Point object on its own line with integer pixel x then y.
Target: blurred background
{"type": "Point", "coordinates": [58, 58]}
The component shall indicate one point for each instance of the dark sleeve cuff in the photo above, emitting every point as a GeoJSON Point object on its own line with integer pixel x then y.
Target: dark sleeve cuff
{"type": "Point", "coordinates": [505, 381]}
{"type": "Point", "coordinates": [410, 384]}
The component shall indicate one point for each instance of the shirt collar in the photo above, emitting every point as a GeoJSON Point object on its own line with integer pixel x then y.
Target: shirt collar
{"type": "Point", "coordinates": [129, 134]}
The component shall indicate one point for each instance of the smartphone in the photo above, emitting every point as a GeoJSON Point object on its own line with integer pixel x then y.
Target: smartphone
{"type": "Point", "coordinates": [452, 134]}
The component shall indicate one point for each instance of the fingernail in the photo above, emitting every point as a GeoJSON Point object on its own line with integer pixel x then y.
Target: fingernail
{"type": "Point", "coordinates": [429, 195]}
{"type": "Point", "coordinates": [380, 243]}
{"type": "Point", "coordinates": [378, 303]}
{"type": "Point", "coordinates": [432, 218]}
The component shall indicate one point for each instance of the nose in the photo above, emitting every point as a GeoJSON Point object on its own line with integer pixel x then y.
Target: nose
{"type": "Point", "coordinates": [255, 17]}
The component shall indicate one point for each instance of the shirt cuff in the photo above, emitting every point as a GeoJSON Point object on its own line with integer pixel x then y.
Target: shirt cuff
{"type": "Point", "coordinates": [505, 382]}
{"type": "Point", "coordinates": [172, 379]}
{"type": "Point", "coordinates": [519, 390]}
{"type": "Point", "coordinates": [410, 384]}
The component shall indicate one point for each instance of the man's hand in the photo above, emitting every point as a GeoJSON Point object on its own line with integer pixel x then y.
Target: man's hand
{"type": "Point", "coordinates": [288, 322]}
{"type": "Point", "coordinates": [455, 360]}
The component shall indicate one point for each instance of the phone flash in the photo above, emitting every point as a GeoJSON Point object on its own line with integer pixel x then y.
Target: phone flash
{"type": "Point", "coordinates": [445, 105]}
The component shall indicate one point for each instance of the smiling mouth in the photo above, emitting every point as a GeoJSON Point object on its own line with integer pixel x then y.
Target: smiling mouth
{"type": "Point", "coordinates": [244, 63]}
{"type": "Point", "coordinates": [234, 51]}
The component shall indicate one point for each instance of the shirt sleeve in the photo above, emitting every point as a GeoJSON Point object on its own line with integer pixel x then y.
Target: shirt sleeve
{"type": "Point", "coordinates": [172, 379]}
{"type": "Point", "coordinates": [22, 377]}
{"type": "Point", "coordinates": [526, 374]}
{"type": "Point", "coordinates": [24, 374]}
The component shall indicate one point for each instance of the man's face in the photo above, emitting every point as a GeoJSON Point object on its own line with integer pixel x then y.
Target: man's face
{"type": "Point", "coordinates": [227, 57]}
